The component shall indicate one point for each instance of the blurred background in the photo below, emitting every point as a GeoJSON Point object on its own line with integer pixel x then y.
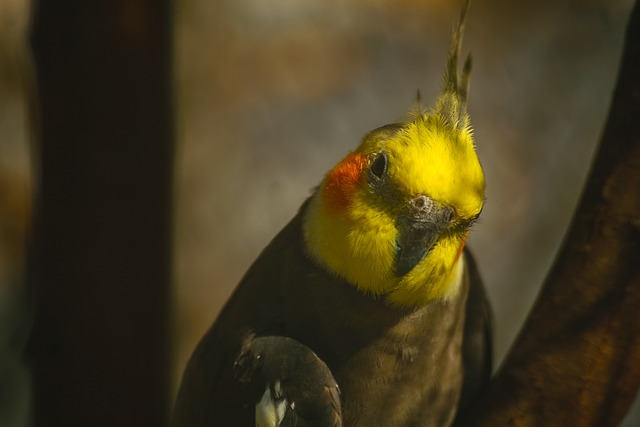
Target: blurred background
{"type": "Point", "coordinates": [15, 211]}
{"type": "Point", "coordinates": [271, 94]}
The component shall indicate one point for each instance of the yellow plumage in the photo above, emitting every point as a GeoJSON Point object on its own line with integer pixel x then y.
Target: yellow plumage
{"type": "Point", "coordinates": [426, 156]}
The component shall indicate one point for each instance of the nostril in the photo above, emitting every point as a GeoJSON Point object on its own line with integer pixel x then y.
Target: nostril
{"type": "Point", "coordinates": [422, 204]}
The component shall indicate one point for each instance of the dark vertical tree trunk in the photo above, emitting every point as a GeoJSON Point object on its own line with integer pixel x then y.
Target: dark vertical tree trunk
{"type": "Point", "coordinates": [100, 265]}
{"type": "Point", "coordinates": [577, 360]}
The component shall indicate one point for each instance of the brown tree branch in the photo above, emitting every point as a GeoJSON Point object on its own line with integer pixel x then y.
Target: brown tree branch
{"type": "Point", "coordinates": [100, 269]}
{"type": "Point", "coordinates": [576, 362]}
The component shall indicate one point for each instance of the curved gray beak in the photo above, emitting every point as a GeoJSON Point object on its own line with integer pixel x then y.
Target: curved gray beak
{"type": "Point", "coordinates": [418, 231]}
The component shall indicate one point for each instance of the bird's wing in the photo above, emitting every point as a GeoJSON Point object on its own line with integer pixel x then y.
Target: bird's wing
{"type": "Point", "coordinates": [477, 349]}
{"type": "Point", "coordinates": [289, 384]}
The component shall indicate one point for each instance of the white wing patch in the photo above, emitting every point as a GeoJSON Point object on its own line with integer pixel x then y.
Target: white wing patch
{"type": "Point", "coordinates": [271, 408]}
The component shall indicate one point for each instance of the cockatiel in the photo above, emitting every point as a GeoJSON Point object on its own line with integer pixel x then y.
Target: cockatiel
{"type": "Point", "coordinates": [365, 310]}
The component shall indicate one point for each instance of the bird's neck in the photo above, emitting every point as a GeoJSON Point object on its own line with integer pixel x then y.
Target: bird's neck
{"type": "Point", "coordinates": [358, 245]}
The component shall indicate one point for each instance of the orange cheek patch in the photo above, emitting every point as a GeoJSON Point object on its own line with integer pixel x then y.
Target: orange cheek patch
{"type": "Point", "coordinates": [461, 247]}
{"type": "Point", "coordinates": [343, 180]}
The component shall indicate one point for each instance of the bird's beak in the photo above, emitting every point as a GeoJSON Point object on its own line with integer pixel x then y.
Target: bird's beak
{"type": "Point", "coordinates": [418, 231]}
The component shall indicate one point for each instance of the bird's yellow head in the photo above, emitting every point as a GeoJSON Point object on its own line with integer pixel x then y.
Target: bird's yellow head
{"type": "Point", "coordinates": [393, 216]}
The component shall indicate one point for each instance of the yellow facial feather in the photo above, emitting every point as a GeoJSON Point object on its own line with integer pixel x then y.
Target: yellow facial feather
{"type": "Point", "coordinates": [358, 242]}
{"type": "Point", "coordinates": [429, 158]}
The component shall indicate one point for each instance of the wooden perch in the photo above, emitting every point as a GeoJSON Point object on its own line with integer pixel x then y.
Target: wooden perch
{"type": "Point", "coordinates": [576, 362]}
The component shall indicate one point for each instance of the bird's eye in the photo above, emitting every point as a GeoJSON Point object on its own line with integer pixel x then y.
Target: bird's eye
{"type": "Point", "coordinates": [379, 165]}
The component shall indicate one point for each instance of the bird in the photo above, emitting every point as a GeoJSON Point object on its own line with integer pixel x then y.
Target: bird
{"type": "Point", "coordinates": [366, 309]}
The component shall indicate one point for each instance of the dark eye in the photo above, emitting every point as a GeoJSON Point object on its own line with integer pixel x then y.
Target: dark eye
{"type": "Point", "coordinates": [379, 165]}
